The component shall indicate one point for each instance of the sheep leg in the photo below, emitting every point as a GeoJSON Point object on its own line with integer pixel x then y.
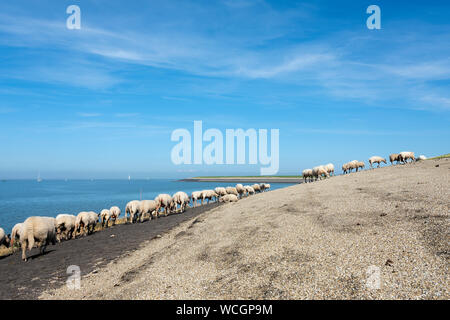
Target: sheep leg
{"type": "Point", "coordinates": [24, 248]}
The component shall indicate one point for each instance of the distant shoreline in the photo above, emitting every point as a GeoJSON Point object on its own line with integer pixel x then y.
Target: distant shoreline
{"type": "Point", "coordinates": [245, 179]}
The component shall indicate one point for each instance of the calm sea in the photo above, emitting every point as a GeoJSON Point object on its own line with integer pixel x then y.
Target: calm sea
{"type": "Point", "coordinates": [20, 199]}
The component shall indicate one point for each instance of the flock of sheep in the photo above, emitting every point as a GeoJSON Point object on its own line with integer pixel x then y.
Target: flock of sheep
{"type": "Point", "coordinates": [325, 171]}
{"type": "Point", "coordinates": [41, 231]}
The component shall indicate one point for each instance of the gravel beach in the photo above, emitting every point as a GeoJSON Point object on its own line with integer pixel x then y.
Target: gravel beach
{"type": "Point", "coordinates": [323, 240]}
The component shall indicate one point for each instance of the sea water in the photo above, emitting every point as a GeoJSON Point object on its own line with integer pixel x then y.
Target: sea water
{"type": "Point", "coordinates": [20, 199]}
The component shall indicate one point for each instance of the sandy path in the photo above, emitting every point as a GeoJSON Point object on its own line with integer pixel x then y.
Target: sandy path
{"type": "Point", "coordinates": [310, 241]}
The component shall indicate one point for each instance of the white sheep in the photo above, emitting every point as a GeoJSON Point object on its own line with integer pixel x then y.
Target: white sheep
{"type": "Point", "coordinates": [115, 214]}
{"type": "Point", "coordinates": [250, 190]}
{"type": "Point", "coordinates": [319, 172]}
{"type": "Point", "coordinates": [405, 156]}
{"type": "Point", "coordinates": [180, 198]}
{"type": "Point", "coordinates": [376, 159]}
{"type": "Point", "coordinates": [345, 168]}
{"type": "Point", "coordinates": [85, 223]}
{"type": "Point", "coordinates": [229, 198]}
{"type": "Point", "coordinates": [163, 201]}
{"type": "Point", "coordinates": [209, 195]}
{"type": "Point", "coordinates": [133, 208]}
{"type": "Point", "coordinates": [37, 230]}
{"type": "Point", "coordinates": [240, 189]}
{"type": "Point", "coordinates": [330, 168]}
{"type": "Point", "coordinates": [394, 157]}
{"type": "Point", "coordinates": [232, 190]}
{"type": "Point", "coordinates": [195, 196]}
{"type": "Point", "coordinates": [256, 187]}
{"type": "Point", "coordinates": [147, 207]}
{"type": "Point", "coordinates": [267, 186]}
{"type": "Point", "coordinates": [221, 191]}
{"type": "Point", "coordinates": [4, 239]}
{"type": "Point", "coordinates": [15, 233]}
{"type": "Point", "coordinates": [94, 217]}
{"type": "Point", "coordinates": [421, 158]}
{"type": "Point", "coordinates": [105, 216]}
{"type": "Point", "coordinates": [65, 226]}
{"type": "Point", "coordinates": [360, 165]}
{"type": "Point", "coordinates": [307, 175]}
{"type": "Point", "coordinates": [353, 165]}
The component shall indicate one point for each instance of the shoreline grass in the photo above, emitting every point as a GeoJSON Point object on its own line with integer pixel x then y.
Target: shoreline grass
{"type": "Point", "coordinates": [444, 156]}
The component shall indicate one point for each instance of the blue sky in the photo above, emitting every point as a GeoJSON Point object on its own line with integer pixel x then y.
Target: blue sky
{"type": "Point", "coordinates": [102, 102]}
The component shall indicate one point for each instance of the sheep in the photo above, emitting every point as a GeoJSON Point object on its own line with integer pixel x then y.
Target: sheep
{"type": "Point", "coordinates": [195, 196]}
{"type": "Point", "coordinates": [307, 175]}
{"type": "Point", "coordinates": [232, 190]}
{"type": "Point", "coordinates": [229, 198]}
{"type": "Point", "coordinates": [15, 233]}
{"type": "Point", "coordinates": [376, 159]}
{"type": "Point", "coordinates": [94, 217]}
{"type": "Point", "coordinates": [115, 214]}
{"type": "Point", "coordinates": [209, 195]}
{"type": "Point", "coordinates": [250, 190]}
{"type": "Point", "coordinates": [133, 208]}
{"type": "Point", "coordinates": [37, 230]}
{"type": "Point", "coordinates": [262, 186]}
{"type": "Point", "coordinates": [65, 226]}
{"type": "Point", "coordinates": [163, 201]}
{"type": "Point", "coordinates": [105, 216]}
{"type": "Point", "coordinates": [353, 165]}
{"type": "Point", "coordinates": [267, 186]}
{"type": "Point", "coordinates": [240, 189]}
{"type": "Point", "coordinates": [330, 168]}
{"type": "Point", "coordinates": [221, 191]}
{"type": "Point", "coordinates": [394, 157]}
{"type": "Point", "coordinates": [4, 239]}
{"type": "Point", "coordinates": [147, 207]}
{"type": "Point", "coordinates": [256, 187]}
{"type": "Point", "coordinates": [319, 171]}
{"type": "Point", "coordinates": [421, 158]}
{"type": "Point", "coordinates": [345, 168]}
{"type": "Point", "coordinates": [85, 223]}
{"type": "Point", "coordinates": [405, 156]}
{"type": "Point", "coordinates": [360, 165]}
{"type": "Point", "coordinates": [180, 198]}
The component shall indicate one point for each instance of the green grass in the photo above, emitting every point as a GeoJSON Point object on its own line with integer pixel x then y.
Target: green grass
{"type": "Point", "coordinates": [441, 157]}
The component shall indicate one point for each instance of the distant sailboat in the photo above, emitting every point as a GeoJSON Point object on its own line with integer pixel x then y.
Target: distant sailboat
{"type": "Point", "coordinates": [39, 179]}
{"type": "Point", "coordinates": [129, 178]}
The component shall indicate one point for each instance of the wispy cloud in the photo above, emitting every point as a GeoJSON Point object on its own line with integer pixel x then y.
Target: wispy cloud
{"type": "Point", "coordinates": [328, 62]}
{"type": "Point", "coordinates": [88, 115]}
